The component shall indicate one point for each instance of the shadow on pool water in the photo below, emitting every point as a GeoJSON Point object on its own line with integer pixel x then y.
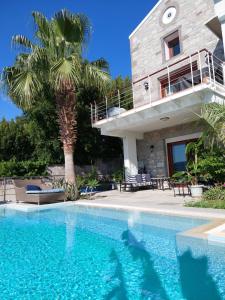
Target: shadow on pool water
{"type": "Point", "coordinates": [195, 280]}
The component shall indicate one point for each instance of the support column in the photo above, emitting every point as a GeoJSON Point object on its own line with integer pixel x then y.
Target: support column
{"type": "Point", "coordinates": [130, 156]}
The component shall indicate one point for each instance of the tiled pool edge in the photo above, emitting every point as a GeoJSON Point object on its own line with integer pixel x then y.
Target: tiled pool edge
{"type": "Point", "coordinates": [214, 231]}
{"type": "Point", "coordinates": [33, 208]}
{"type": "Point", "coordinates": [207, 231]}
{"type": "Point", "coordinates": [182, 213]}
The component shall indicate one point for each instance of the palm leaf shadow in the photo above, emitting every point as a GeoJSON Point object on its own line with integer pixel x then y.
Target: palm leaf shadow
{"type": "Point", "coordinates": [196, 282]}
{"type": "Point", "coordinates": [119, 291]}
{"type": "Point", "coordinates": [151, 285]}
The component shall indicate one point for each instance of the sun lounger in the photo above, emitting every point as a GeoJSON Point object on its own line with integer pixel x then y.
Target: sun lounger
{"type": "Point", "coordinates": [45, 195]}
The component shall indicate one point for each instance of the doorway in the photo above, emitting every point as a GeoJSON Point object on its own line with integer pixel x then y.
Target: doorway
{"type": "Point", "coordinates": [177, 158]}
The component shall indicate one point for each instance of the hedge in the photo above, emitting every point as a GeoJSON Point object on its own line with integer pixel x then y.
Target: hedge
{"type": "Point", "coordinates": [14, 168]}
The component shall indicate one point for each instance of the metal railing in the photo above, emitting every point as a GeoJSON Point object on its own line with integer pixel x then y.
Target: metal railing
{"type": "Point", "coordinates": [202, 67]}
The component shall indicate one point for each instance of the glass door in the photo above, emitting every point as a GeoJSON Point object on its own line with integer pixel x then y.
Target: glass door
{"type": "Point", "coordinates": [177, 158]}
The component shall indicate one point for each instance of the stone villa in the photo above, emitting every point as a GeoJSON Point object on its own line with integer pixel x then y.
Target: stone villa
{"type": "Point", "coordinates": [177, 59]}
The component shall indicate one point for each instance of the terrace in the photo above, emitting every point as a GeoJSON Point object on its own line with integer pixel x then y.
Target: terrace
{"type": "Point", "coordinates": [176, 82]}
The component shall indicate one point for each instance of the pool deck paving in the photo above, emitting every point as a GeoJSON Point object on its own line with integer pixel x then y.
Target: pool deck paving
{"type": "Point", "coordinates": [152, 201]}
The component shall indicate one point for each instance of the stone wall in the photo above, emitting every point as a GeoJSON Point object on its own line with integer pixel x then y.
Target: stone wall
{"type": "Point", "coordinates": [147, 47]}
{"type": "Point", "coordinates": [155, 159]}
{"type": "Point", "coordinates": [102, 168]}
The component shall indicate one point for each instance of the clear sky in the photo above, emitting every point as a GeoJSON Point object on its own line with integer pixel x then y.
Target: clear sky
{"type": "Point", "coordinates": [112, 21]}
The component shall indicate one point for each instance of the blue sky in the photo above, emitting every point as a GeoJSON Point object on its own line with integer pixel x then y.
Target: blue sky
{"type": "Point", "coordinates": [112, 21]}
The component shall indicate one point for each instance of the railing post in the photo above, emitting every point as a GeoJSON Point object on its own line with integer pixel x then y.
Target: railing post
{"type": "Point", "coordinates": [200, 65]}
{"type": "Point", "coordinates": [150, 89]}
{"type": "Point", "coordinates": [223, 71]}
{"type": "Point", "coordinates": [119, 98]}
{"type": "Point", "coordinates": [106, 106]}
{"type": "Point", "coordinates": [192, 78]}
{"type": "Point", "coordinates": [213, 69]}
{"type": "Point", "coordinates": [168, 72]}
{"type": "Point", "coordinates": [96, 113]}
{"type": "Point", "coordinates": [208, 61]}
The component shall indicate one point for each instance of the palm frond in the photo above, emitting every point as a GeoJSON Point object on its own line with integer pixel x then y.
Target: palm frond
{"type": "Point", "coordinates": [22, 42]}
{"type": "Point", "coordinates": [25, 86]}
{"type": "Point", "coordinates": [73, 28]}
{"type": "Point", "coordinates": [94, 76]}
{"type": "Point", "coordinates": [65, 71]}
{"type": "Point", "coordinates": [213, 116]}
{"type": "Point", "coordinates": [43, 31]}
{"type": "Point", "coordinates": [101, 64]}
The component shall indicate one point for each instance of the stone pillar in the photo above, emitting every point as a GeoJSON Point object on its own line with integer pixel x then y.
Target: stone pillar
{"type": "Point", "coordinates": [130, 155]}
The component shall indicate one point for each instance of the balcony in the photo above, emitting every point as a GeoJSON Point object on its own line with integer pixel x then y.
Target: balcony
{"type": "Point", "coordinates": [192, 74]}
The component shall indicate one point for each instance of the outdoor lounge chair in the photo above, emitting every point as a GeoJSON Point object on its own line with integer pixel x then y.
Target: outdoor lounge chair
{"type": "Point", "coordinates": [45, 195]}
{"type": "Point", "coordinates": [135, 182]}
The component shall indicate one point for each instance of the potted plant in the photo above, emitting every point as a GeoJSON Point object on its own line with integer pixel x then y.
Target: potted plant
{"type": "Point", "coordinates": [194, 168]}
{"type": "Point", "coordinates": [118, 178]}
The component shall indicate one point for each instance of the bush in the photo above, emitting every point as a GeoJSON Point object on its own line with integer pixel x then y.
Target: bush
{"type": "Point", "coordinates": [213, 198]}
{"type": "Point", "coordinates": [118, 176]}
{"type": "Point", "coordinates": [14, 168]}
{"type": "Point", "coordinates": [215, 194]}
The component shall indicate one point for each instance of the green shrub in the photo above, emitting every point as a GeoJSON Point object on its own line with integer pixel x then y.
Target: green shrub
{"type": "Point", "coordinates": [215, 194]}
{"type": "Point", "coordinates": [14, 168]}
{"type": "Point", "coordinates": [118, 175]}
{"type": "Point", "coordinates": [213, 198]}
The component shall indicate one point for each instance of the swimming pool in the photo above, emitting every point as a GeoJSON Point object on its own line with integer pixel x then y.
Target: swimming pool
{"type": "Point", "coordinates": [87, 253]}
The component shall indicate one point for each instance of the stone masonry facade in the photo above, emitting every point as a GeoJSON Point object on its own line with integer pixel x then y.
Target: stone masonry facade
{"type": "Point", "coordinates": [147, 42]}
{"type": "Point", "coordinates": [155, 159]}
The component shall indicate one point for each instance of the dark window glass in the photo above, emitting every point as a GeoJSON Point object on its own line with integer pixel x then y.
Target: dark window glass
{"type": "Point", "coordinates": [174, 47]}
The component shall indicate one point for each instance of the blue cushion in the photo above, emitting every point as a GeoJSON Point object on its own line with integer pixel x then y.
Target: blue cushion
{"type": "Point", "coordinates": [50, 191]}
{"type": "Point", "coordinates": [31, 187]}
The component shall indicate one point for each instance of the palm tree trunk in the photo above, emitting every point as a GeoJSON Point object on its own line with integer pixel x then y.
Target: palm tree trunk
{"type": "Point", "coordinates": [69, 164]}
{"type": "Point", "coordinates": [66, 104]}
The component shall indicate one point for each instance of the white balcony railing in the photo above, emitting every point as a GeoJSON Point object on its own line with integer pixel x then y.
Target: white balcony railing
{"type": "Point", "coordinates": [201, 67]}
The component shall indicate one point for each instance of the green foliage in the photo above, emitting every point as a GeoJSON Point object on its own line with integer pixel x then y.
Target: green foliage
{"type": "Point", "coordinates": [92, 183]}
{"type": "Point", "coordinates": [15, 140]}
{"type": "Point", "coordinates": [118, 175]}
{"type": "Point", "coordinates": [124, 87]}
{"type": "Point", "coordinates": [213, 117]}
{"type": "Point", "coordinates": [213, 198]}
{"type": "Point", "coordinates": [212, 166]}
{"type": "Point", "coordinates": [69, 188]}
{"type": "Point", "coordinates": [181, 177]}
{"type": "Point", "coordinates": [214, 194]}
{"type": "Point", "coordinates": [14, 168]}
{"type": "Point", "coordinates": [207, 165]}
{"type": "Point", "coordinates": [193, 167]}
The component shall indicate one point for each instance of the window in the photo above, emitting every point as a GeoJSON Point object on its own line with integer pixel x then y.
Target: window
{"type": "Point", "coordinates": [179, 79]}
{"type": "Point", "coordinates": [172, 45]}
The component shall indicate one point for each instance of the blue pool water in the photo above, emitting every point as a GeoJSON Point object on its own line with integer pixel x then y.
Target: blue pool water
{"type": "Point", "coordinates": [86, 253]}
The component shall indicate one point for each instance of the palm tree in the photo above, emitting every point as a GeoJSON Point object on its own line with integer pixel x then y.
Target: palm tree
{"type": "Point", "coordinates": [213, 117]}
{"type": "Point", "coordinates": [54, 64]}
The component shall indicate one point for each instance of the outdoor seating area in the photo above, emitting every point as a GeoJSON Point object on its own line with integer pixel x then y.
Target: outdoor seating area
{"type": "Point", "coordinates": [144, 181]}
{"type": "Point", "coordinates": [35, 191]}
